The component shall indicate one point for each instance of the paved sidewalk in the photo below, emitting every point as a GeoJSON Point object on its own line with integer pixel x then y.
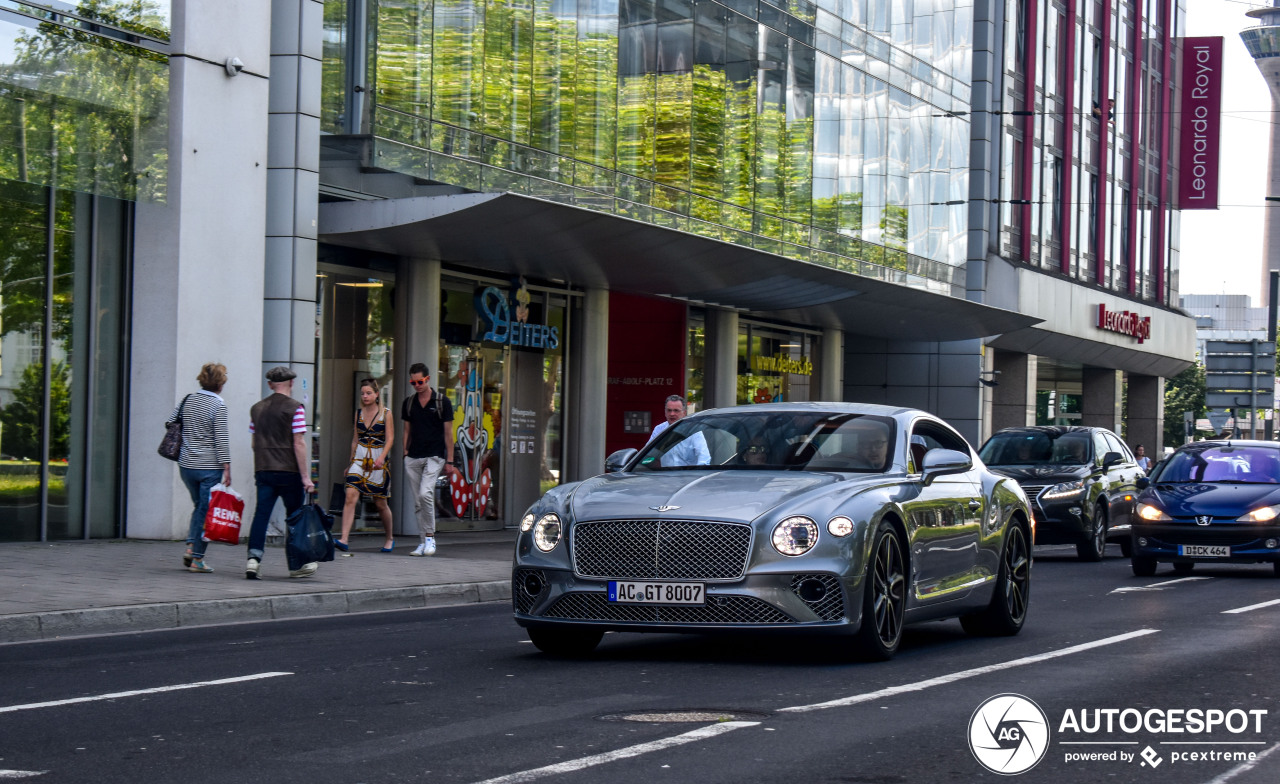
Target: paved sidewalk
{"type": "Point", "coordinates": [66, 589]}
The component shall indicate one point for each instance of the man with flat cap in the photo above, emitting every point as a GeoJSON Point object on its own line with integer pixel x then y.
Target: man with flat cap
{"type": "Point", "coordinates": [281, 462]}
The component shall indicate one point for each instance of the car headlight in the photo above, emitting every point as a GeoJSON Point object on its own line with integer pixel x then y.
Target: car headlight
{"type": "Point", "coordinates": [839, 526]}
{"type": "Point", "coordinates": [547, 532]}
{"type": "Point", "coordinates": [795, 536]}
{"type": "Point", "coordinates": [1152, 514]}
{"type": "Point", "coordinates": [1065, 489]}
{"type": "Point", "coordinates": [1263, 514]}
{"type": "Point", "coordinates": [526, 522]}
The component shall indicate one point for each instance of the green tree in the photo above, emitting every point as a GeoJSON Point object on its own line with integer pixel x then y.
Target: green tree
{"type": "Point", "coordinates": [21, 420]}
{"type": "Point", "coordinates": [1183, 392]}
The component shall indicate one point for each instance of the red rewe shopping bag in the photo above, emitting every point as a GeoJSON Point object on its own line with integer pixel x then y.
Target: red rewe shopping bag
{"type": "Point", "coordinates": [222, 521]}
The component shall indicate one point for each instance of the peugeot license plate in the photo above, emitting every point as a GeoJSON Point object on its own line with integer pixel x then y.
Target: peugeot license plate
{"type": "Point", "coordinates": [1204, 550]}
{"type": "Point", "coordinates": [656, 593]}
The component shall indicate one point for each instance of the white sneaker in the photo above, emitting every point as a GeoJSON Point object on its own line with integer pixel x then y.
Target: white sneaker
{"type": "Point", "coordinates": [420, 550]}
{"type": "Point", "coordinates": [429, 546]}
{"type": "Point", "coordinates": [306, 570]}
{"type": "Point", "coordinates": [251, 569]}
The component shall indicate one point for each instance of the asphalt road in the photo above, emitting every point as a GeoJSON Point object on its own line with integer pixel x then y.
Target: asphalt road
{"type": "Point", "coordinates": [460, 695]}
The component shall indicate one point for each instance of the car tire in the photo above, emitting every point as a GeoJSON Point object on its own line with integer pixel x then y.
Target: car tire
{"type": "Point", "coordinates": [1126, 547]}
{"type": "Point", "coordinates": [1093, 548]}
{"type": "Point", "coordinates": [1276, 566]}
{"type": "Point", "coordinates": [1143, 566]}
{"type": "Point", "coordinates": [884, 597]}
{"type": "Point", "coordinates": [1008, 609]}
{"type": "Point", "coordinates": [565, 642]}
{"type": "Point", "coordinates": [1184, 567]}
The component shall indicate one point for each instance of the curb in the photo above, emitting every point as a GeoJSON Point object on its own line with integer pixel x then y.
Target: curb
{"type": "Point", "coordinates": [30, 627]}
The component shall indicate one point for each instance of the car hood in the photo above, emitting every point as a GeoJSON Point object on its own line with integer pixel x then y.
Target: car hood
{"type": "Point", "coordinates": [1218, 500]}
{"type": "Point", "coordinates": [718, 495]}
{"type": "Point", "coordinates": [1047, 473]}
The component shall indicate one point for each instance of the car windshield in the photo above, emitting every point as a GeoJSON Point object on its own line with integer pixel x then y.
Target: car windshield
{"type": "Point", "coordinates": [799, 441]}
{"type": "Point", "coordinates": [1037, 447]}
{"type": "Point", "coordinates": [1222, 465]}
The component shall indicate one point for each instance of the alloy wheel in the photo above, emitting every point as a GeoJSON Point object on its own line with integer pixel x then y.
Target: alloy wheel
{"type": "Point", "coordinates": [888, 585]}
{"type": "Point", "coordinates": [1017, 565]}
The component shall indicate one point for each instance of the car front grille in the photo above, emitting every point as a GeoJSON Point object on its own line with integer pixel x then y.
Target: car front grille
{"type": "Point", "coordinates": [1199, 534]}
{"type": "Point", "coordinates": [595, 606]}
{"type": "Point", "coordinates": [522, 597]}
{"type": "Point", "coordinates": [661, 549]}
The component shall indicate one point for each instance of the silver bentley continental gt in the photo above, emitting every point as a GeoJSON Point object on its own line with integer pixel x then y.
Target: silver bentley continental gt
{"type": "Point", "coordinates": [835, 517]}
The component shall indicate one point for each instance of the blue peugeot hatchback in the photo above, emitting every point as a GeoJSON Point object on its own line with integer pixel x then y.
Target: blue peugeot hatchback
{"type": "Point", "coordinates": [1210, 502]}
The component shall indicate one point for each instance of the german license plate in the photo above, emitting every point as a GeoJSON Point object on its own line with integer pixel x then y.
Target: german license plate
{"type": "Point", "coordinates": [1204, 550]}
{"type": "Point", "coordinates": [656, 593]}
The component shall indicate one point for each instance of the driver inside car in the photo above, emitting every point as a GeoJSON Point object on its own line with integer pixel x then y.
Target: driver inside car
{"type": "Point", "coordinates": [872, 446]}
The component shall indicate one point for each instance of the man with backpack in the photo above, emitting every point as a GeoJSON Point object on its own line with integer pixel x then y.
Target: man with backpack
{"type": "Point", "coordinates": [428, 449]}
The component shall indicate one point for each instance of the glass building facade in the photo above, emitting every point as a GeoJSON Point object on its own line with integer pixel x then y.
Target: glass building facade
{"type": "Point", "coordinates": [83, 134]}
{"type": "Point", "coordinates": [832, 132]}
{"type": "Point", "coordinates": [1088, 167]}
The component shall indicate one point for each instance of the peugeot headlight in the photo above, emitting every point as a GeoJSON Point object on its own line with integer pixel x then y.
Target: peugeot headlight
{"type": "Point", "coordinates": [1263, 514]}
{"type": "Point", "coordinates": [1152, 514]}
{"type": "Point", "coordinates": [1065, 490]}
{"type": "Point", "coordinates": [795, 536]}
{"type": "Point", "coordinates": [526, 522]}
{"type": "Point", "coordinates": [547, 532]}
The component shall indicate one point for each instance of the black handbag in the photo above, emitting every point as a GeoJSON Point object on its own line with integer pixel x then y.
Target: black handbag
{"type": "Point", "coordinates": [171, 445]}
{"type": "Point", "coordinates": [309, 539]}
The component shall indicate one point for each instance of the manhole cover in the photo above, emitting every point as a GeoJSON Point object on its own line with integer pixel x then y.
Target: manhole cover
{"type": "Point", "coordinates": [699, 716]}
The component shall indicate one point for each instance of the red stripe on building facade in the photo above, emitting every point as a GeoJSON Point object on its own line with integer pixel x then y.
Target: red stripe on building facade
{"type": "Point", "coordinates": [1065, 201]}
{"type": "Point", "coordinates": [1101, 215]}
{"type": "Point", "coordinates": [1028, 126]}
{"type": "Point", "coordinates": [1135, 151]}
{"type": "Point", "coordinates": [1159, 251]}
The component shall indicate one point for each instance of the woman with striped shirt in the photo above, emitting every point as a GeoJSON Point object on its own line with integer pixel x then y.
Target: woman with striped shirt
{"type": "Point", "coordinates": [206, 454]}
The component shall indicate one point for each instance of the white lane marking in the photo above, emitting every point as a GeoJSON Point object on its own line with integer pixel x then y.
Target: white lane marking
{"type": "Point", "coordinates": [630, 751]}
{"type": "Point", "coordinates": [21, 774]}
{"type": "Point", "coordinates": [1243, 767]}
{"type": "Point", "coordinates": [1158, 586]}
{"type": "Point", "coordinates": [1252, 607]}
{"type": "Point", "coordinates": [137, 692]}
{"type": "Point", "coordinates": [942, 680]}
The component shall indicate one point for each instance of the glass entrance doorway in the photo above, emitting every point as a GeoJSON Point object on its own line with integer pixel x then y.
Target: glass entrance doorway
{"type": "Point", "coordinates": [355, 331]}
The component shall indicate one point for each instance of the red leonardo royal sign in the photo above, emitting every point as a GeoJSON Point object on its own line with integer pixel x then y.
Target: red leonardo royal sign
{"type": "Point", "coordinates": [1200, 121]}
{"type": "Point", "coordinates": [1125, 322]}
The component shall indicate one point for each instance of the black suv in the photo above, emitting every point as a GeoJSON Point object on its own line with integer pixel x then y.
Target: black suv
{"type": "Point", "coordinates": [1081, 481]}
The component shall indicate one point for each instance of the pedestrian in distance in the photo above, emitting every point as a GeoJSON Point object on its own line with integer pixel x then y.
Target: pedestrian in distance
{"type": "Point", "coordinates": [1144, 462]}
{"type": "Point", "coordinates": [368, 475]}
{"type": "Point", "coordinates": [281, 463]}
{"type": "Point", "coordinates": [205, 459]}
{"type": "Point", "coordinates": [428, 449]}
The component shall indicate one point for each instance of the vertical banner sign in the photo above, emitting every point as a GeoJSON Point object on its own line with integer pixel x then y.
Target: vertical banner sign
{"type": "Point", "coordinates": [1201, 120]}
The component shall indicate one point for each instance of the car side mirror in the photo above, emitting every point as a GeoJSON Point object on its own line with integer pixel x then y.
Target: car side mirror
{"type": "Point", "coordinates": [1112, 458]}
{"type": "Point", "coordinates": [940, 462]}
{"type": "Point", "coordinates": [618, 460]}
{"type": "Point", "coordinates": [1143, 482]}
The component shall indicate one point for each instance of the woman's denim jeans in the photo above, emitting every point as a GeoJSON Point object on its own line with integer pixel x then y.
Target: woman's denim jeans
{"type": "Point", "coordinates": [199, 482]}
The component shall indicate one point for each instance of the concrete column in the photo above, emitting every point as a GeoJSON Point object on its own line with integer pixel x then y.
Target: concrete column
{"type": "Point", "coordinates": [198, 257]}
{"type": "Point", "coordinates": [417, 340]}
{"type": "Point", "coordinates": [293, 190]}
{"type": "Point", "coordinates": [1013, 399]}
{"type": "Point", "coordinates": [1101, 397]}
{"type": "Point", "coordinates": [721, 361]}
{"type": "Point", "coordinates": [592, 385]}
{"type": "Point", "coordinates": [831, 366]}
{"type": "Point", "coordinates": [1145, 423]}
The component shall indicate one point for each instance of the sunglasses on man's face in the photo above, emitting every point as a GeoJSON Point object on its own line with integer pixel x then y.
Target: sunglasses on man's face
{"type": "Point", "coordinates": [421, 383]}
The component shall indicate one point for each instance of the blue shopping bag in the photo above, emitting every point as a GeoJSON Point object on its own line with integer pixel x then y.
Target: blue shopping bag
{"type": "Point", "coordinates": [309, 539]}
